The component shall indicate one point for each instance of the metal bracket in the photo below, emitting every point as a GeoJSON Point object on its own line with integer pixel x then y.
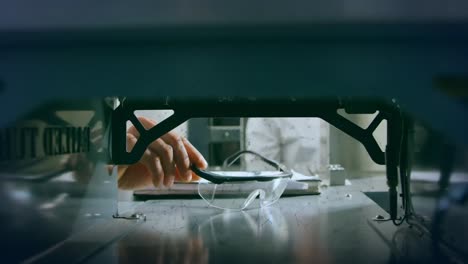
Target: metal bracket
{"type": "Point", "coordinates": [135, 216]}
{"type": "Point", "coordinates": [364, 136]}
{"type": "Point", "coordinates": [185, 109]}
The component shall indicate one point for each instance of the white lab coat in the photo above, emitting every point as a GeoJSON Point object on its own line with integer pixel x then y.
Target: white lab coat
{"type": "Point", "coordinates": [299, 143]}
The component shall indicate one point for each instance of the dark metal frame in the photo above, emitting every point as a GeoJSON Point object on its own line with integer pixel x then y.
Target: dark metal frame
{"type": "Point", "coordinates": [326, 109]}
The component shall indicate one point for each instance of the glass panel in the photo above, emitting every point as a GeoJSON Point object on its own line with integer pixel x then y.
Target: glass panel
{"type": "Point", "coordinates": [54, 179]}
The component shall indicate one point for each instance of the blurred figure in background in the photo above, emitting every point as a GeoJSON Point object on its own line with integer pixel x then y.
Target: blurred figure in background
{"type": "Point", "coordinates": [302, 144]}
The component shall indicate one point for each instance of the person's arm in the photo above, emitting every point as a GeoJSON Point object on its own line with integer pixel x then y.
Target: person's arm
{"type": "Point", "coordinates": [165, 160]}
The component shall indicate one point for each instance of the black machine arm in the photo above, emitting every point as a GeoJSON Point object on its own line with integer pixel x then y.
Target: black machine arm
{"type": "Point", "coordinates": [326, 109]}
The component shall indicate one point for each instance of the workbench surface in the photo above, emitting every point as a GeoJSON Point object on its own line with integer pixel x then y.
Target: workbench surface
{"type": "Point", "coordinates": [333, 227]}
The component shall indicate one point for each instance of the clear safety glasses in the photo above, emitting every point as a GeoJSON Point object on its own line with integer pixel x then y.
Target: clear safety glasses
{"type": "Point", "coordinates": [239, 190]}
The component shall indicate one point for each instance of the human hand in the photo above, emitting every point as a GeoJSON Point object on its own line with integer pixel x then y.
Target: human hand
{"type": "Point", "coordinates": [166, 159]}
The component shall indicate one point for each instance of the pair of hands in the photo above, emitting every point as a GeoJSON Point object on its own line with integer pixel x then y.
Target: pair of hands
{"type": "Point", "coordinates": [166, 160]}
